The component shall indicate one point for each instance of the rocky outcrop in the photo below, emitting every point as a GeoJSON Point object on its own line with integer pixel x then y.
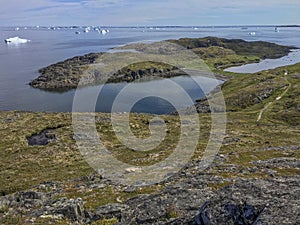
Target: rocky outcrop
{"type": "Point", "coordinates": [42, 138]}
{"type": "Point", "coordinates": [189, 197]}
{"type": "Point", "coordinates": [64, 75]}
{"type": "Point", "coordinates": [45, 207]}
{"type": "Point", "coordinates": [110, 211]}
{"type": "Point", "coordinates": [129, 75]}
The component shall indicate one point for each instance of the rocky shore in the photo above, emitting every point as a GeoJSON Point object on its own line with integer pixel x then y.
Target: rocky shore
{"type": "Point", "coordinates": [67, 74]}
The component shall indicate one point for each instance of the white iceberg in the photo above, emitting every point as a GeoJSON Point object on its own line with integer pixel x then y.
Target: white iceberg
{"type": "Point", "coordinates": [104, 31]}
{"type": "Point", "coordinates": [16, 40]}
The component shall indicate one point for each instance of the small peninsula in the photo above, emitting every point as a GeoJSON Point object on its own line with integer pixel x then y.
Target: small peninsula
{"type": "Point", "coordinates": [217, 53]}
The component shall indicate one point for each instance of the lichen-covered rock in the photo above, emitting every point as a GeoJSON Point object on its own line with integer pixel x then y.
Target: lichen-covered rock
{"type": "Point", "coordinates": [110, 211]}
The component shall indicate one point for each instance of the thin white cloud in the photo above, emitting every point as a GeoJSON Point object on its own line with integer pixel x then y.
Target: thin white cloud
{"type": "Point", "coordinates": [126, 12]}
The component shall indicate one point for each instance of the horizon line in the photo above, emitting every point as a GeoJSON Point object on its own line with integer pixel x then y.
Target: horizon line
{"type": "Point", "coordinates": [149, 26]}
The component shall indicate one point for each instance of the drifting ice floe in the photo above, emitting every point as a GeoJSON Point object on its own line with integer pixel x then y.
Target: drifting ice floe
{"type": "Point", "coordinates": [16, 40]}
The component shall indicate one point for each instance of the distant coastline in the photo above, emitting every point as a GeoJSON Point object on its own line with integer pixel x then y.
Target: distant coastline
{"type": "Point", "coordinates": [162, 26]}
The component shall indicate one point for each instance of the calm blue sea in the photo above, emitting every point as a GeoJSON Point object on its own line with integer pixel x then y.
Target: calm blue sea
{"type": "Point", "coordinates": [19, 64]}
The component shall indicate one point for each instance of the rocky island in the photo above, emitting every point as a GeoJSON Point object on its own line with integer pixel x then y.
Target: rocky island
{"type": "Point", "coordinates": [254, 178]}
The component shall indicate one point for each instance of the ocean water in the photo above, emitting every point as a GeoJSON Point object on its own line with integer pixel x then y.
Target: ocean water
{"type": "Point", "coordinates": [19, 64]}
{"type": "Point", "coordinates": [266, 64]}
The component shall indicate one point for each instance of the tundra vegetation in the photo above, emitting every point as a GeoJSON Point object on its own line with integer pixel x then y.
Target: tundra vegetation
{"type": "Point", "coordinates": [258, 161]}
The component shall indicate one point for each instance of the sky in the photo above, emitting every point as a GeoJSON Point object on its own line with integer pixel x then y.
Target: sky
{"type": "Point", "coordinates": [148, 12]}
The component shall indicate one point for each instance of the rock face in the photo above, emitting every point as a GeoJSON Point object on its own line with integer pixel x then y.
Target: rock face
{"type": "Point", "coordinates": [22, 202]}
{"type": "Point", "coordinates": [110, 211]}
{"type": "Point", "coordinates": [129, 76]}
{"type": "Point", "coordinates": [70, 208]}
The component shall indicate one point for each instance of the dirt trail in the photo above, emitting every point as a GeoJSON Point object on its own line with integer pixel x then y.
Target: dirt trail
{"type": "Point", "coordinates": [277, 99]}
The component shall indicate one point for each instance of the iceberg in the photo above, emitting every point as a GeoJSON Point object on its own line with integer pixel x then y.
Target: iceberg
{"type": "Point", "coordinates": [104, 31]}
{"type": "Point", "coordinates": [87, 29]}
{"type": "Point", "coordinates": [16, 40]}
